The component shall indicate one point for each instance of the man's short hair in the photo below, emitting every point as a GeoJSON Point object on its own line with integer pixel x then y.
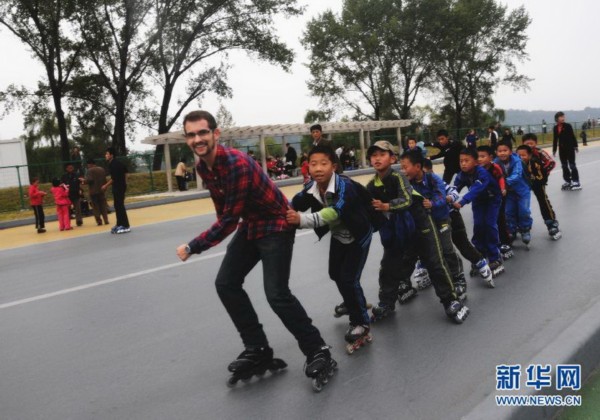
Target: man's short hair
{"type": "Point", "coordinates": [111, 150]}
{"type": "Point", "coordinates": [558, 114]}
{"type": "Point", "coordinates": [427, 164]}
{"type": "Point", "coordinates": [442, 132]}
{"type": "Point", "coordinates": [316, 127]}
{"type": "Point", "coordinates": [200, 115]}
{"type": "Point", "coordinates": [324, 149]}
{"type": "Point", "coordinates": [530, 136]}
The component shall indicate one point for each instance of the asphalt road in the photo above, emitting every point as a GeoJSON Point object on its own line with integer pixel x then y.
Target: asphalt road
{"type": "Point", "coordinates": [114, 327]}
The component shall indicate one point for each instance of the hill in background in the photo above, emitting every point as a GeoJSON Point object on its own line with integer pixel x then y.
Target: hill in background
{"type": "Point", "coordinates": [523, 117]}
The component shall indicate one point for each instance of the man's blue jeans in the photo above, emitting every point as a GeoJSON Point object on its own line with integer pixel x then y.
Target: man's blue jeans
{"type": "Point", "coordinates": [275, 252]}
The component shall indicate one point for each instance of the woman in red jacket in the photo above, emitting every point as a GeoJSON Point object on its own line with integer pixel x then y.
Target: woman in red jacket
{"type": "Point", "coordinates": [36, 199]}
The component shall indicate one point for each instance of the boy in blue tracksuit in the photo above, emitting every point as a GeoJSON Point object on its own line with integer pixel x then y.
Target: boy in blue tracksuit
{"type": "Point", "coordinates": [432, 188]}
{"type": "Point", "coordinates": [486, 198]}
{"type": "Point", "coordinates": [342, 206]}
{"type": "Point", "coordinates": [518, 196]}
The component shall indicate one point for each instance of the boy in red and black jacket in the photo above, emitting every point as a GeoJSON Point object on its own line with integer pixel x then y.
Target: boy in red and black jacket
{"type": "Point", "coordinates": [539, 178]}
{"type": "Point", "coordinates": [36, 199]}
{"type": "Point", "coordinates": [485, 158]}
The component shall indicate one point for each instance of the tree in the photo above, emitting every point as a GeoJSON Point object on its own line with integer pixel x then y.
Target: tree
{"type": "Point", "coordinates": [372, 58]}
{"type": "Point", "coordinates": [119, 38]}
{"type": "Point", "coordinates": [473, 60]}
{"type": "Point", "coordinates": [43, 25]}
{"type": "Point", "coordinates": [224, 117]}
{"type": "Point", "coordinates": [195, 38]}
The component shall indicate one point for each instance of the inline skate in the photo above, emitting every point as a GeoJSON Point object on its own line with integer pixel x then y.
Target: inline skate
{"type": "Point", "coordinates": [320, 367]}
{"type": "Point", "coordinates": [253, 362]}
{"type": "Point", "coordinates": [357, 336]}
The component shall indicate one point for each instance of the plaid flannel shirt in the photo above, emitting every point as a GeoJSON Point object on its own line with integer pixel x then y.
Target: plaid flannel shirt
{"type": "Point", "coordinates": [240, 190]}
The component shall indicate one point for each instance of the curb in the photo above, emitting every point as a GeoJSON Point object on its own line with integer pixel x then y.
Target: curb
{"type": "Point", "coordinates": [577, 344]}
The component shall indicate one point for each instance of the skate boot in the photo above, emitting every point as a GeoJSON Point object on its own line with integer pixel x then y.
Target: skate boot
{"type": "Point", "coordinates": [340, 310]}
{"type": "Point", "coordinates": [382, 310]}
{"type": "Point", "coordinates": [506, 252]}
{"type": "Point", "coordinates": [526, 237]}
{"type": "Point", "coordinates": [575, 186]}
{"type": "Point", "coordinates": [356, 337]}
{"type": "Point", "coordinates": [497, 268]}
{"type": "Point", "coordinates": [421, 276]}
{"type": "Point", "coordinates": [456, 311]}
{"type": "Point", "coordinates": [553, 229]}
{"type": "Point", "coordinates": [253, 362]}
{"type": "Point", "coordinates": [566, 186]}
{"type": "Point", "coordinates": [320, 367]}
{"type": "Point", "coordinates": [485, 272]}
{"type": "Point", "coordinates": [406, 293]}
{"type": "Point", "coordinates": [460, 287]}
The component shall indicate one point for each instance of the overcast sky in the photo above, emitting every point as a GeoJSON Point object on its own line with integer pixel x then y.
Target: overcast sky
{"type": "Point", "coordinates": [563, 47]}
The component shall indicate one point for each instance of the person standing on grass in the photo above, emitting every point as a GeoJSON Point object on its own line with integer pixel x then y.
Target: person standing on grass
{"type": "Point", "coordinates": [36, 199]}
{"type": "Point", "coordinates": [118, 181]}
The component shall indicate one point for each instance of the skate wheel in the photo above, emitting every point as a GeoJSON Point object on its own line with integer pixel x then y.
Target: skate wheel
{"type": "Point", "coordinates": [350, 349]}
{"type": "Point", "coordinates": [491, 284]}
{"type": "Point", "coordinates": [245, 380]}
{"type": "Point", "coordinates": [317, 385]}
{"type": "Point", "coordinates": [369, 339]}
{"type": "Point", "coordinates": [231, 382]}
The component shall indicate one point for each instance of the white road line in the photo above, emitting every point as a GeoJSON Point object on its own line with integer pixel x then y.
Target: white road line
{"type": "Point", "coordinates": [116, 279]}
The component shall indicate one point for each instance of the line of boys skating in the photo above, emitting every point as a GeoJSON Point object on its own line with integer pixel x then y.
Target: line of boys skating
{"type": "Point", "coordinates": [413, 212]}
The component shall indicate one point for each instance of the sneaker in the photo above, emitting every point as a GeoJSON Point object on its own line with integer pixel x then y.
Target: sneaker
{"type": "Point", "coordinates": [122, 229]}
{"type": "Point", "coordinates": [575, 185]}
{"type": "Point", "coordinates": [566, 186]}
{"type": "Point", "coordinates": [115, 228]}
{"type": "Point", "coordinates": [41, 230]}
{"type": "Point", "coordinates": [457, 311]}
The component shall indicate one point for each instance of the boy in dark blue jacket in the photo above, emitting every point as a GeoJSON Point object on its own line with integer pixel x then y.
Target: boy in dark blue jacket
{"type": "Point", "coordinates": [342, 206]}
{"type": "Point", "coordinates": [432, 188]}
{"type": "Point", "coordinates": [518, 195]}
{"type": "Point", "coordinates": [486, 198]}
{"type": "Point", "coordinates": [408, 234]}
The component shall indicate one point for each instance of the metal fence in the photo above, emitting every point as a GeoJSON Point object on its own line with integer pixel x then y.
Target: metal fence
{"type": "Point", "coordinates": [143, 180]}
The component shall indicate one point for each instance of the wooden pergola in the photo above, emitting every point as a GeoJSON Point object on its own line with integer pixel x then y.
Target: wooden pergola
{"type": "Point", "coordinates": [364, 128]}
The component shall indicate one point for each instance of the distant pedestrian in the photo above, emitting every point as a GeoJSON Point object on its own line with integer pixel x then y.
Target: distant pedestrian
{"type": "Point", "coordinates": [492, 137]}
{"type": "Point", "coordinates": [471, 139]}
{"type": "Point", "coordinates": [71, 179]}
{"type": "Point", "coordinates": [583, 136]}
{"type": "Point", "coordinates": [36, 199]}
{"type": "Point", "coordinates": [544, 127]}
{"type": "Point", "coordinates": [566, 143]}
{"type": "Point", "coordinates": [76, 160]}
{"type": "Point", "coordinates": [60, 191]}
{"type": "Point", "coordinates": [95, 178]}
{"type": "Point", "coordinates": [450, 151]}
{"type": "Point", "coordinates": [118, 180]}
{"type": "Point", "coordinates": [180, 175]}
{"type": "Point", "coordinates": [508, 137]}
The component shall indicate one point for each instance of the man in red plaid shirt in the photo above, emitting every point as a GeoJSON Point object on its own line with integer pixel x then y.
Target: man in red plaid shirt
{"type": "Point", "coordinates": [241, 190]}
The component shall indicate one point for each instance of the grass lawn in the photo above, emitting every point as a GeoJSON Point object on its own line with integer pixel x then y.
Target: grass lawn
{"type": "Point", "coordinates": [590, 401]}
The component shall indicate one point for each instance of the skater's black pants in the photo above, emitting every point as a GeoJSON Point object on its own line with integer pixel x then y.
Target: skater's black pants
{"type": "Point", "coordinates": [546, 209]}
{"type": "Point", "coordinates": [448, 175]}
{"type": "Point", "coordinates": [275, 252]}
{"type": "Point", "coordinates": [40, 218]}
{"type": "Point", "coordinates": [452, 259]}
{"type": "Point", "coordinates": [346, 262]}
{"type": "Point", "coordinates": [427, 246]}
{"type": "Point", "coordinates": [503, 232]}
{"type": "Point", "coordinates": [567, 160]}
{"type": "Point", "coordinates": [119, 203]}
{"type": "Point", "coordinates": [390, 271]}
{"type": "Point", "coordinates": [461, 240]}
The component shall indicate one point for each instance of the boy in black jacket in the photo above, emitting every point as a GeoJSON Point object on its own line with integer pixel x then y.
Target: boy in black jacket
{"type": "Point", "coordinates": [450, 151]}
{"type": "Point", "coordinates": [342, 206]}
{"type": "Point", "coordinates": [566, 142]}
{"type": "Point", "coordinates": [394, 196]}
